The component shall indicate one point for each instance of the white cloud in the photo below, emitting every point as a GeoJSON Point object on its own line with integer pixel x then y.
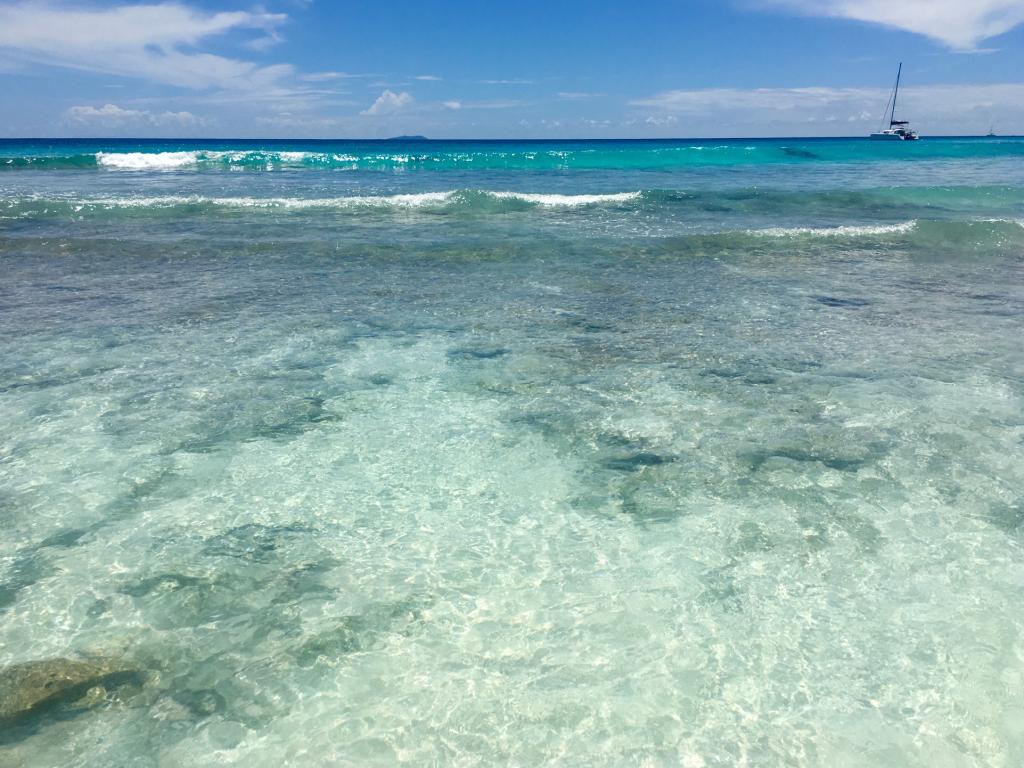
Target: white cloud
{"type": "Point", "coordinates": [576, 95]}
{"type": "Point", "coordinates": [431, 78]}
{"type": "Point", "coordinates": [959, 24]}
{"type": "Point", "coordinates": [106, 112]}
{"type": "Point", "coordinates": [268, 40]}
{"type": "Point", "coordinates": [507, 82]}
{"type": "Point", "coordinates": [388, 103]}
{"type": "Point", "coordinates": [778, 99]}
{"type": "Point", "coordinates": [928, 98]}
{"type": "Point", "coordinates": [491, 104]}
{"type": "Point", "coordinates": [934, 108]}
{"type": "Point", "coordinates": [151, 42]}
{"type": "Point", "coordinates": [113, 116]}
{"type": "Point", "coordinates": [323, 77]}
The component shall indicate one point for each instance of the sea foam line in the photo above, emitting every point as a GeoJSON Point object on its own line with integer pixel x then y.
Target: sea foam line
{"type": "Point", "coordinates": [168, 161]}
{"type": "Point", "coordinates": [1018, 222]}
{"type": "Point", "coordinates": [389, 201]}
{"type": "Point", "coordinates": [147, 160]}
{"type": "Point", "coordinates": [841, 231]}
{"type": "Point", "coordinates": [413, 200]}
{"type": "Point", "coordinates": [567, 200]}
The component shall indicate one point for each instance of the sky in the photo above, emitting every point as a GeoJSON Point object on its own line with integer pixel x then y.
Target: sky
{"type": "Point", "coordinates": [484, 69]}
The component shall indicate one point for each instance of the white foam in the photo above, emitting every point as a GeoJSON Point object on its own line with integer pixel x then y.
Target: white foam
{"type": "Point", "coordinates": [415, 200]}
{"type": "Point", "coordinates": [1018, 222]}
{"type": "Point", "coordinates": [171, 160]}
{"type": "Point", "coordinates": [843, 231]}
{"type": "Point", "coordinates": [147, 160]}
{"type": "Point", "coordinates": [170, 201]}
{"type": "Point", "coordinates": [567, 200]}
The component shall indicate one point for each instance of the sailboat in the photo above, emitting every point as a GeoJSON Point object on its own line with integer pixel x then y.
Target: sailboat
{"type": "Point", "coordinates": [898, 130]}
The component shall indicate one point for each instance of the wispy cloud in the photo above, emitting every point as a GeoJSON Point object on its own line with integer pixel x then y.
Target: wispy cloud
{"type": "Point", "coordinates": [487, 104]}
{"type": "Point", "coordinates": [516, 81]}
{"type": "Point", "coordinates": [113, 116]}
{"type": "Point", "coordinates": [958, 24]}
{"type": "Point", "coordinates": [151, 42]}
{"type": "Point", "coordinates": [388, 103]}
{"type": "Point", "coordinates": [429, 78]}
{"type": "Point", "coordinates": [704, 100]}
{"type": "Point", "coordinates": [942, 108]}
{"type": "Point", "coordinates": [661, 120]}
{"type": "Point", "coordinates": [264, 42]}
{"type": "Point", "coordinates": [576, 95]}
{"type": "Point", "coordinates": [324, 77]}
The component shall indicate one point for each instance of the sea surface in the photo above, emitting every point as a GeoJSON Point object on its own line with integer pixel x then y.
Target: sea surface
{"type": "Point", "coordinates": [693, 453]}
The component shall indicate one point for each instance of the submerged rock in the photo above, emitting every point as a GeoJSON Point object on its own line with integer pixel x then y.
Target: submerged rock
{"type": "Point", "coordinates": [59, 687]}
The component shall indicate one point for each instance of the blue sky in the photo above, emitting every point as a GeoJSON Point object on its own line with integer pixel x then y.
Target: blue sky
{"type": "Point", "coordinates": [529, 69]}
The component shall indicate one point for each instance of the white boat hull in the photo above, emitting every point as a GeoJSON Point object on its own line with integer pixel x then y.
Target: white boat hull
{"type": "Point", "coordinates": [886, 136]}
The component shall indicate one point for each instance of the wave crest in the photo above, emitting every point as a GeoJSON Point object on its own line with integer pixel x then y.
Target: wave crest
{"type": "Point", "coordinates": [453, 199]}
{"type": "Point", "coordinates": [508, 155]}
{"type": "Point", "coordinates": [139, 161]}
{"type": "Point", "coordinates": [841, 231]}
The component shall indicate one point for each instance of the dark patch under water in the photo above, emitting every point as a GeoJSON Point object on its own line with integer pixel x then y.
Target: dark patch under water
{"type": "Point", "coordinates": [477, 354]}
{"type": "Point", "coordinates": [258, 543]}
{"type": "Point", "coordinates": [28, 569]}
{"type": "Point", "coordinates": [636, 461]}
{"type": "Point", "coordinates": [757, 459]}
{"type": "Point", "coordinates": [835, 301]}
{"type": "Point", "coordinates": [803, 154]}
{"type": "Point", "coordinates": [162, 583]}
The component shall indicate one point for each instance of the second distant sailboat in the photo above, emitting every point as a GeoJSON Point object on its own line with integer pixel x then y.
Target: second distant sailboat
{"type": "Point", "coordinates": [898, 130]}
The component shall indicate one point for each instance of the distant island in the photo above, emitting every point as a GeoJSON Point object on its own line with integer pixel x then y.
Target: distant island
{"type": "Point", "coordinates": [408, 138]}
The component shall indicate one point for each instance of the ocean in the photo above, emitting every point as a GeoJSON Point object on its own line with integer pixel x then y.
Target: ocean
{"type": "Point", "coordinates": [584, 453]}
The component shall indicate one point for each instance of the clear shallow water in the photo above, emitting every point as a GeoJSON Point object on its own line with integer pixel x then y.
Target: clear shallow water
{"type": "Point", "coordinates": [718, 464]}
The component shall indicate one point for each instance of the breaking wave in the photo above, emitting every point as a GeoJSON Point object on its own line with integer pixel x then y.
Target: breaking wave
{"type": "Point", "coordinates": [167, 161]}
{"type": "Point", "coordinates": [621, 212]}
{"type": "Point", "coordinates": [841, 231]}
{"type": "Point", "coordinates": [467, 200]}
{"type": "Point", "coordinates": [507, 155]}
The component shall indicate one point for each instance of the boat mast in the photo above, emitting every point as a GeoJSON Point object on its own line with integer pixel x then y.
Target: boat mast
{"type": "Point", "coordinates": [895, 93]}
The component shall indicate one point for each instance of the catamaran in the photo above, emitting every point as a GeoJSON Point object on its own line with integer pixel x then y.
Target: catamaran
{"type": "Point", "coordinates": [898, 130]}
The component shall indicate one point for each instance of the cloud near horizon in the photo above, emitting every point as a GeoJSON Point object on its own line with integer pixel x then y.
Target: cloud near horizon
{"type": "Point", "coordinates": [957, 24]}
{"type": "Point", "coordinates": [113, 116]}
{"type": "Point", "coordinates": [934, 105]}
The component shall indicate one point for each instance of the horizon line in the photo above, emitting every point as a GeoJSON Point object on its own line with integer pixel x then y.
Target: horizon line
{"type": "Point", "coordinates": [421, 139]}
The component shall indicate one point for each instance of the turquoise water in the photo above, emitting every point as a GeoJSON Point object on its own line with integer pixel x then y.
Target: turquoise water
{"type": "Point", "coordinates": [699, 453]}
